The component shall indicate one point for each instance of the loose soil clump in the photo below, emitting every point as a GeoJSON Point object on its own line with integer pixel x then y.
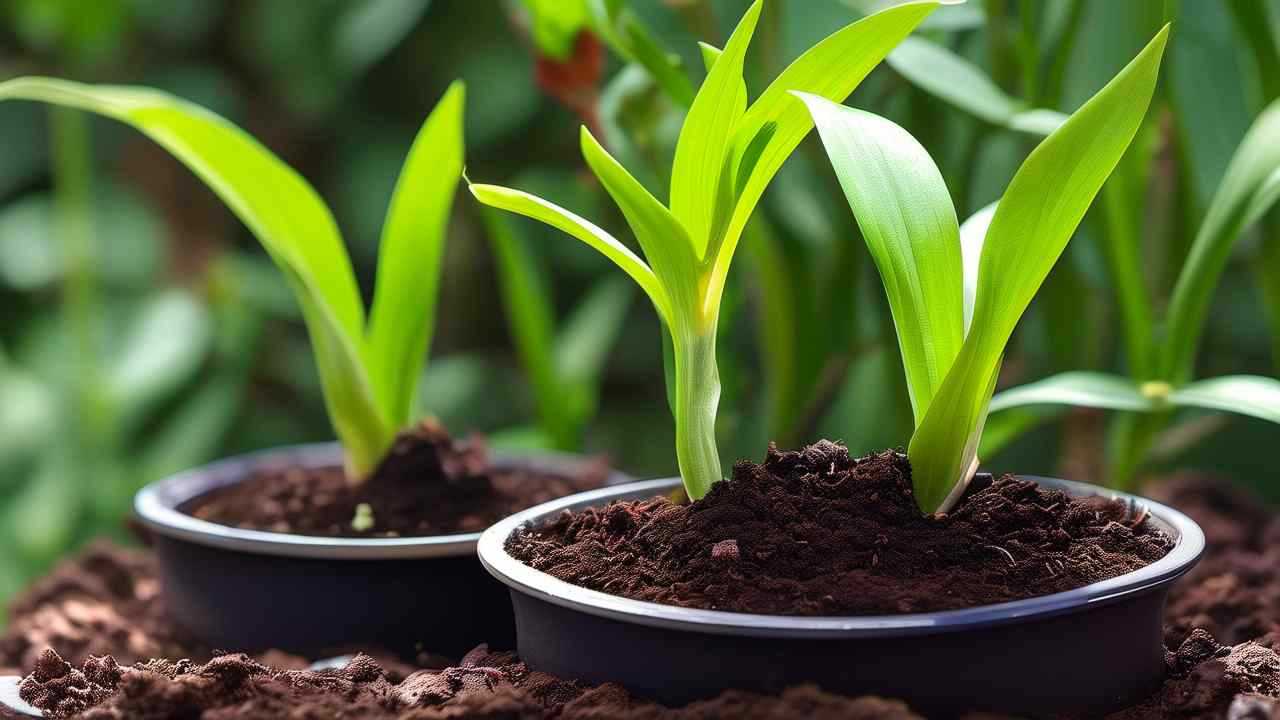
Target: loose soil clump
{"type": "Point", "coordinates": [429, 484]}
{"type": "Point", "coordinates": [817, 532]}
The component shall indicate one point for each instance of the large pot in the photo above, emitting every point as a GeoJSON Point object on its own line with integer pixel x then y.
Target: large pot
{"type": "Point", "coordinates": [1087, 650]}
{"type": "Point", "coordinates": [251, 590]}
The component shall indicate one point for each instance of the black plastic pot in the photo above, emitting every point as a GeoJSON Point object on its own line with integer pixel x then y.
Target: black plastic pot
{"type": "Point", "coordinates": [1088, 650]}
{"type": "Point", "coordinates": [249, 590]}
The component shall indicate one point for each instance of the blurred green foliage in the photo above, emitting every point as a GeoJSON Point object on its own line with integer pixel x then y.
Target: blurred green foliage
{"type": "Point", "coordinates": [142, 331]}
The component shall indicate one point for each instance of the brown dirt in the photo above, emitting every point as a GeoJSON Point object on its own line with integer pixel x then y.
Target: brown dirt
{"type": "Point", "coordinates": [484, 685]}
{"type": "Point", "coordinates": [816, 532]}
{"type": "Point", "coordinates": [103, 602]}
{"type": "Point", "coordinates": [429, 484]}
{"type": "Point", "coordinates": [1234, 592]}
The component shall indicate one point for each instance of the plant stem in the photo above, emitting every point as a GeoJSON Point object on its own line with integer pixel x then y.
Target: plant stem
{"type": "Point", "coordinates": [697, 382]}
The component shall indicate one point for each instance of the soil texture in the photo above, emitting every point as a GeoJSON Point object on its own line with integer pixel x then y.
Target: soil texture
{"type": "Point", "coordinates": [429, 484]}
{"type": "Point", "coordinates": [103, 602]}
{"type": "Point", "coordinates": [817, 532]}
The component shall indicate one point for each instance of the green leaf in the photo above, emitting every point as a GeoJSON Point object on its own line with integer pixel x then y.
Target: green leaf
{"type": "Point", "coordinates": [402, 319]}
{"type": "Point", "coordinates": [706, 137]}
{"type": "Point", "coordinates": [628, 37]}
{"type": "Point", "coordinates": [1078, 389]}
{"type": "Point", "coordinates": [665, 243]}
{"type": "Point", "coordinates": [973, 233]}
{"type": "Point", "coordinates": [282, 211]}
{"type": "Point", "coordinates": [831, 69]}
{"type": "Point", "coordinates": [1039, 212]}
{"type": "Point", "coordinates": [534, 207]}
{"type": "Point", "coordinates": [958, 82]}
{"type": "Point", "coordinates": [1251, 184]}
{"type": "Point", "coordinates": [1242, 394]}
{"type": "Point", "coordinates": [900, 201]}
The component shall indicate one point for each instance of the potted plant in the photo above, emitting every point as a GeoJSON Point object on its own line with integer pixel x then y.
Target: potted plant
{"type": "Point", "coordinates": [908, 575]}
{"type": "Point", "coordinates": [371, 540]}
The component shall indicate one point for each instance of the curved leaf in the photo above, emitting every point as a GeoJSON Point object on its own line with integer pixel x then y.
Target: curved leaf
{"type": "Point", "coordinates": [534, 207]}
{"type": "Point", "coordinates": [973, 233]}
{"type": "Point", "coordinates": [402, 319]}
{"type": "Point", "coordinates": [958, 82]}
{"type": "Point", "coordinates": [900, 201]}
{"type": "Point", "coordinates": [282, 211]}
{"type": "Point", "coordinates": [1039, 212]}
{"type": "Point", "coordinates": [1243, 394]}
{"type": "Point", "coordinates": [1078, 389]}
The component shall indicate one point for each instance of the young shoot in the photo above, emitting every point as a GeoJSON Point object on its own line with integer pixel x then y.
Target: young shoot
{"type": "Point", "coordinates": [369, 367]}
{"type": "Point", "coordinates": [956, 293]}
{"type": "Point", "coordinates": [725, 156]}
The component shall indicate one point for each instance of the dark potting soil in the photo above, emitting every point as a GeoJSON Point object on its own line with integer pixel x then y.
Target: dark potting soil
{"type": "Point", "coordinates": [816, 532]}
{"type": "Point", "coordinates": [104, 602]}
{"type": "Point", "coordinates": [484, 685]}
{"type": "Point", "coordinates": [429, 484]}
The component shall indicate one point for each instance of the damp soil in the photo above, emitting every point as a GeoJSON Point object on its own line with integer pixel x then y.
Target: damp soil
{"type": "Point", "coordinates": [817, 532]}
{"type": "Point", "coordinates": [104, 602]}
{"type": "Point", "coordinates": [429, 484]}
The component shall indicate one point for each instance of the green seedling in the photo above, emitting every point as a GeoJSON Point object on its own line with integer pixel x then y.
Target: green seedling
{"type": "Point", "coordinates": [956, 293]}
{"type": "Point", "coordinates": [369, 367]}
{"type": "Point", "coordinates": [726, 155]}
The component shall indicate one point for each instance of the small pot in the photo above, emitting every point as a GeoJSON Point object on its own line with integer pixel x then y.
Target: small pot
{"type": "Point", "coordinates": [251, 590]}
{"type": "Point", "coordinates": [1089, 650]}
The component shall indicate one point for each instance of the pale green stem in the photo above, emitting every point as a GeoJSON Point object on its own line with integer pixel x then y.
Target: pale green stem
{"type": "Point", "coordinates": [697, 381]}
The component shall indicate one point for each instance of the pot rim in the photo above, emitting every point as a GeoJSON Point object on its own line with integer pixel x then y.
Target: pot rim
{"type": "Point", "coordinates": [156, 507]}
{"type": "Point", "coordinates": [525, 579]}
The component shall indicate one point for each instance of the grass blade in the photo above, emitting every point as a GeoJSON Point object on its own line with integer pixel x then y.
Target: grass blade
{"type": "Point", "coordinates": [402, 319]}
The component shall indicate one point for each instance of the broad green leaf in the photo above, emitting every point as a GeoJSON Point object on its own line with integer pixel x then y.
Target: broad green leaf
{"type": "Point", "coordinates": [402, 318]}
{"type": "Point", "coordinates": [282, 211]}
{"type": "Point", "coordinates": [954, 80]}
{"type": "Point", "coordinates": [534, 207]}
{"type": "Point", "coordinates": [900, 201]}
{"type": "Point", "coordinates": [706, 137]}
{"type": "Point", "coordinates": [775, 123]}
{"type": "Point", "coordinates": [1242, 394]}
{"type": "Point", "coordinates": [1039, 212]}
{"type": "Point", "coordinates": [950, 17]}
{"type": "Point", "coordinates": [1078, 389]}
{"type": "Point", "coordinates": [664, 241]}
{"type": "Point", "coordinates": [1251, 183]}
{"type": "Point", "coordinates": [973, 233]}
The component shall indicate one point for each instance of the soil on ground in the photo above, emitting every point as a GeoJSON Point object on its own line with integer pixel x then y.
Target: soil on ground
{"type": "Point", "coordinates": [429, 484]}
{"type": "Point", "coordinates": [817, 532]}
{"type": "Point", "coordinates": [104, 602]}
